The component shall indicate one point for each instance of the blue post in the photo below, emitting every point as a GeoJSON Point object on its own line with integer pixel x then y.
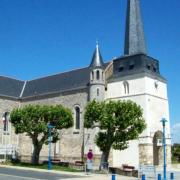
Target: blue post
{"type": "Point", "coordinates": [172, 176]}
{"type": "Point", "coordinates": [143, 177]}
{"type": "Point", "coordinates": [49, 143]}
{"type": "Point", "coordinates": [113, 177]}
{"type": "Point", "coordinates": [164, 146]}
{"type": "Point", "coordinates": [159, 176]}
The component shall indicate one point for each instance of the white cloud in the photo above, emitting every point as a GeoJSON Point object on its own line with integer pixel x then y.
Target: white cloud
{"type": "Point", "coordinates": [176, 126]}
{"type": "Point", "coordinates": [175, 131]}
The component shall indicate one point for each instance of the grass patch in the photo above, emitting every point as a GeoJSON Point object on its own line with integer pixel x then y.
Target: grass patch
{"type": "Point", "coordinates": [45, 166]}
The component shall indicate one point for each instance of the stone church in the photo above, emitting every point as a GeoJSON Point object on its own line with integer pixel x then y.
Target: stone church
{"type": "Point", "coordinates": [133, 76]}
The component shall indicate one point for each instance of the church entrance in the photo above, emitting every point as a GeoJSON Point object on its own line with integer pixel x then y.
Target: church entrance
{"type": "Point", "coordinates": [157, 148]}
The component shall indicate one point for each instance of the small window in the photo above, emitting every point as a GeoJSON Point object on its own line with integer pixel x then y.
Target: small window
{"type": "Point", "coordinates": [92, 75]}
{"type": "Point", "coordinates": [98, 92]}
{"type": "Point", "coordinates": [121, 69]}
{"type": "Point", "coordinates": [131, 67]}
{"type": "Point", "coordinates": [148, 67]}
{"type": "Point", "coordinates": [156, 84]}
{"type": "Point", "coordinates": [97, 75]}
{"type": "Point", "coordinates": [77, 117]}
{"type": "Point", "coordinates": [154, 69]}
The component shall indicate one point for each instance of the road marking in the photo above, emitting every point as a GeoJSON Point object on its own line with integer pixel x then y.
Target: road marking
{"type": "Point", "coordinates": [20, 176]}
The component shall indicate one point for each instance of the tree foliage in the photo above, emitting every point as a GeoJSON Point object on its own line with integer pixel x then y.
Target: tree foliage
{"type": "Point", "coordinates": [118, 121]}
{"type": "Point", "coordinates": [176, 153]}
{"type": "Point", "coordinates": [33, 120]}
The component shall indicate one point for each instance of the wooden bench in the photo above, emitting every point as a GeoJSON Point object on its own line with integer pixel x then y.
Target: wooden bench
{"type": "Point", "coordinates": [79, 163]}
{"type": "Point", "coordinates": [55, 161]}
{"type": "Point", "coordinates": [128, 169]}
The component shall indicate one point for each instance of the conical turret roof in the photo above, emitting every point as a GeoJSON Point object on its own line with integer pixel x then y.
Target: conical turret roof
{"type": "Point", "coordinates": [97, 60]}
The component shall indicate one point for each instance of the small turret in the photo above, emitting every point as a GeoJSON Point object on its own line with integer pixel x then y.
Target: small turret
{"type": "Point", "coordinates": [97, 77]}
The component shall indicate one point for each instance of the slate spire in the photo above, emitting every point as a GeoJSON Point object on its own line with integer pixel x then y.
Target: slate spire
{"type": "Point", "coordinates": [134, 34]}
{"type": "Point", "coordinates": [97, 60]}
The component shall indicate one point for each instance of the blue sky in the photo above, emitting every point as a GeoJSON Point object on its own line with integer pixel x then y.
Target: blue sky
{"type": "Point", "coordinates": [44, 37]}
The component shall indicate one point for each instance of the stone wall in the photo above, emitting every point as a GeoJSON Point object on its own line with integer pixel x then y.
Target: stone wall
{"type": "Point", "coordinates": [146, 154]}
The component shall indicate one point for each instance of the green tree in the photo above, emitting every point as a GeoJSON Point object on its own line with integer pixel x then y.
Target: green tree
{"type": "Point", "coordinates": [118, 121]}
{"type": "Point", "coordinates": [33, 120]}
{"type": "Point", "coordinates": [176, 153]}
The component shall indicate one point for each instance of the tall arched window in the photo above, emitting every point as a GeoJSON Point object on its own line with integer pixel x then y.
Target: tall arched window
{"type": "Point", "coordinates": [6, 125]}
{"type": "Point", "coordinates": [126, 87]}
{"type": "Point", "coordinates": [77, 117]}
{"type": "Point", "coordinates": [97, 75]}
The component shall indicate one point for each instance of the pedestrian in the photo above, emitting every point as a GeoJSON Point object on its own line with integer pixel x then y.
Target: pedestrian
{"type": "Point", "coordinates": [89, 161]}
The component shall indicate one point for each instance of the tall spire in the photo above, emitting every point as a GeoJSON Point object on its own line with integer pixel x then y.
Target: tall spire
{"type": "Point", "coordinates": [134, 35]}
{"type": "Point", "coordinates": [97, 60]}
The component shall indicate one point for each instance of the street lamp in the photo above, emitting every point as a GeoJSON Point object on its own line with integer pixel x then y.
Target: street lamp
{"type": "Point", "coordinates": [49, 145]}
{"type": "Point", "coordinates": [164, 145]}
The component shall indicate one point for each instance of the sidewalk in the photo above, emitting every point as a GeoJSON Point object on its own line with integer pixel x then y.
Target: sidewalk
{"type": "Point", "coordinates": [103, 177]}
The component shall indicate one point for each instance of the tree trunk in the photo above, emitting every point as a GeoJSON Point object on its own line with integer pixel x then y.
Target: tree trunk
{"type": "Point", "coordinates": [104, 160]}
{"type": "Point", "coordinates": [35, 157]}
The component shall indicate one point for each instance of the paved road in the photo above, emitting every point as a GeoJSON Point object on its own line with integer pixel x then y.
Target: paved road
{"type": "Point", "coordinates": [18, 174]}
{"type": "Point", "coordinates": [15, 173]}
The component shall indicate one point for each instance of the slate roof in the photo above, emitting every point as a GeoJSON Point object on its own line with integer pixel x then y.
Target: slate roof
{"type": "Point", "coordinates": [136, 64]}
{"type": "Point", "coordinates": [57, 83]}
{"type": "Point", "coordinates": [10, 87]}
{"type": "Point", "coordinates": [97, 60]}
{"type": "Point", "coordinates": [76, 79]}
{"type": "Point", "coordinates": [134, 34]}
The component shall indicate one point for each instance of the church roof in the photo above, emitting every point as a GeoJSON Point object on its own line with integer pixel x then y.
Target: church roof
{"type": "Point", "coordinates": [134, 34]}
{"type": "Point", "coordinates": [66, 81]}
{"type": "Point", "coordinates": [10, 87]}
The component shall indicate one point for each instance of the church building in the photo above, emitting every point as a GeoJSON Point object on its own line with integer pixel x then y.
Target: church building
{"type": "Point", "coordinates": [133, 76]}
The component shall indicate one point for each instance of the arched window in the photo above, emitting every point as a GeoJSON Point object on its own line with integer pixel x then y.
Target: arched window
{"type": "Point", "coordinates": [77, 117]}
{"type": "Point", "coordinates": [97, 75]}
{"type": "Point", "coordinates": [126, 87]}
{"type": "Point", "coordinates": [92, 75]}
{"type": "Point", "coordinates": [6, 125]}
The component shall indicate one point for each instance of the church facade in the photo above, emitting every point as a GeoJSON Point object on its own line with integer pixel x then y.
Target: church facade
{"type": "Point", "coordinates": [133, 76]}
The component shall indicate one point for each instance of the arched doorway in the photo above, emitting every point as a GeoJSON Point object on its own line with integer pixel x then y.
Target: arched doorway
{"type": "Point", "coordinates": [157, 147]}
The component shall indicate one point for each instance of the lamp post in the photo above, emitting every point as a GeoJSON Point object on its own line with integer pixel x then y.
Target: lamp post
{"type": "Point", "coordinates": [164, 146]}
{"type": "Point", "coordinates": [49, 145]}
